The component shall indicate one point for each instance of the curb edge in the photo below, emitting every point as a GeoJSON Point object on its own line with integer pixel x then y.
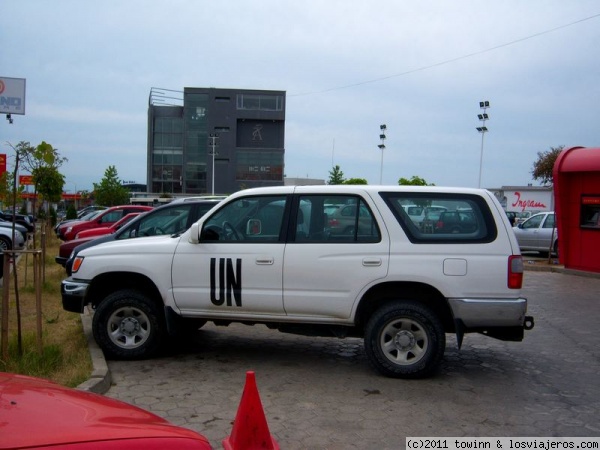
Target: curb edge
{"type": "Point", "coordinates": [100, 378]}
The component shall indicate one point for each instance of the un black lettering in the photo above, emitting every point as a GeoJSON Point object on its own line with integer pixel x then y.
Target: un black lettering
{"type": "Point", "coordinates": [230, 281]}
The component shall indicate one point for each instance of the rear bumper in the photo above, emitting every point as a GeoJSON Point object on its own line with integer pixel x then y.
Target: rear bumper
{"type": "Point", "coordinates": [502, 319]}
{"type": "Point", "coordinates": [484, 313]}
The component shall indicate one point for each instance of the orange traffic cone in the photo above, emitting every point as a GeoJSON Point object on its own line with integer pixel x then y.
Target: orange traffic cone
{"type": "Point", "coordinates": [250, 428]}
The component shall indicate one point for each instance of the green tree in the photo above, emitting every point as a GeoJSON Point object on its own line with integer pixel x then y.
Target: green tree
{"type": "Point", "coordinates": [110, 190]}
{"type": "Point", "coordinates": [414, 181]}
{"type": "Point", "coordinates": [355, 181]}
{"type": "Point", "coordinates": [42, 162]}
{"type": "Point", "coordinates": [44, 155]}
{"type": "Point", "coordinates": [7, 190]}
{"type": "Point", "coordinates": [336, 176]}
{"type": "Point", "coordinates": [543, 167]}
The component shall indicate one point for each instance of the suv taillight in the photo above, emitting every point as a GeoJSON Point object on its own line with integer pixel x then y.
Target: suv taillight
{"type": "Point", "coordinates": [515, 272]}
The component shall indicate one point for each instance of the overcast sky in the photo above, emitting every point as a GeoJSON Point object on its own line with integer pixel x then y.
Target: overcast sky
{"type": "Point", "coordinates": [420, 67]}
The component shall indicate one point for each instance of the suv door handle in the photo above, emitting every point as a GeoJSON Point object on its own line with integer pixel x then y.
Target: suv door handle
{"type": "Point", "coordinates": [265, 260]}
{"type": "Point", "coordinates": [371, 262]}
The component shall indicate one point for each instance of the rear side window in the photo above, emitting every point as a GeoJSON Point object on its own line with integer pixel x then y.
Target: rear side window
{"type": "Point", "coordinates": [442, 218]}
{"type": "Point", "coordinates": [334, 219]}
{"type": "Point", "coordinates": [112, 216]}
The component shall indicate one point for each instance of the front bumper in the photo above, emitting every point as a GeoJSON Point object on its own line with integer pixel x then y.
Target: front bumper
{"type": "Point", "coordinates": [60, 260]}
{"type": "Point", "coordinates": [73, 295]}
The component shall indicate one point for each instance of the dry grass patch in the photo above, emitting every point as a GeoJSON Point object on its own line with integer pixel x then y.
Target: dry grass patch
{"type": "Point", "coordinates": [65, 357]}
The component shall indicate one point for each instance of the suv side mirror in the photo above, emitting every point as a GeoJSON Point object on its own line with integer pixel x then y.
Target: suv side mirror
{"type": "Point", "coordinates": [253, 227]}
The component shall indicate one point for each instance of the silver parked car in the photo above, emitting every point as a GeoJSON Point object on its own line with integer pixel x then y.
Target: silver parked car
{"type": "Point", "coordinates": [538, 233]}
{"type": "Point", "coordinates": [6, 242]}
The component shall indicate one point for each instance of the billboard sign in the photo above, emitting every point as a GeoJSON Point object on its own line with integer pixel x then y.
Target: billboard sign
{"type": "Point", "coordinates": [26, 180]}
{"type": "Point", "coordinates": [525, 200]}
{"type": "Point", "coordinates": [12, 95]}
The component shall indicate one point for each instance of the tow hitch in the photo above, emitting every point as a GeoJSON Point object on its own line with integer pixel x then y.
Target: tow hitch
{"type": "Point", "coordinates": [528, 324]}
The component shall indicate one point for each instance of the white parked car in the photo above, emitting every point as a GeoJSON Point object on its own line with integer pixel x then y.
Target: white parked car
{"type": "Point", "coordinates": [6, 239]}
{"type": "Point", "coordinates": [538, 233]}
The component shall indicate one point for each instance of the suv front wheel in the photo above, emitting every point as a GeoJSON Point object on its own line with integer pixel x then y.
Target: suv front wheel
{"type": "Point", "coordinates": [128, 325]}
{"type": "Point", "coordinates": [405, 339]}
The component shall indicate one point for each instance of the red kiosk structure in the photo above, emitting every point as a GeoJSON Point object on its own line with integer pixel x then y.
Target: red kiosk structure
{"type": "Point", "coordinates": [577, 204]}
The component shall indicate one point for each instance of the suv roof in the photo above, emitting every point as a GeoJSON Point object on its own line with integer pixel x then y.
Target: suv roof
{"type": "Point", "coordinates": [198, 198]}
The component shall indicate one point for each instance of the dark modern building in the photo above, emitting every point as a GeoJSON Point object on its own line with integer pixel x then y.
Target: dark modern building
{"type": "Point", "coordinates": [218, 141]}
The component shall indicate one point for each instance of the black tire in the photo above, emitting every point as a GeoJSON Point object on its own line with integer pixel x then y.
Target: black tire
{"type": "Point", "coordinates": [128, 325]}
{"type": "Point", "coordinates": [405, 339]}
{"type": "Point", "coordinates": [5, 244]}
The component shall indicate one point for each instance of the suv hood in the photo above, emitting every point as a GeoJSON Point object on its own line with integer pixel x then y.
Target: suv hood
{"type": "Point", "coordinates": [148, 245]}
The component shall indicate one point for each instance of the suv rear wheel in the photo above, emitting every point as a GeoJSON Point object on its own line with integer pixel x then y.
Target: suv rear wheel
{"type": "Point", "coordinates": [405, 339]}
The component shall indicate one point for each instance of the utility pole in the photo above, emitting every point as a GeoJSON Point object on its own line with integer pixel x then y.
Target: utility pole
{"type": "Point", "coordinates": [213, 137]}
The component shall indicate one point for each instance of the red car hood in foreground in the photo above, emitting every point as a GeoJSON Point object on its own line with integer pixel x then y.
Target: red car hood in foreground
{"type": "Point", "coordinates": [36, 413]}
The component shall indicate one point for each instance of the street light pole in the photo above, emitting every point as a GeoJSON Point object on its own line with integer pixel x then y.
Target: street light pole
{"type": "Point", "coordinates": [213, 143]}
{"type": "Point", "coordinates": [381, 146]}
{"type": "Point", "coordinates": [484, 105]}
{"type": "Point", "coordinates": [74, 194]}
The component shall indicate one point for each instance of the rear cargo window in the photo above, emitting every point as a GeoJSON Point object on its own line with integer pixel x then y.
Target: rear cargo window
{"type": "Point", "coordinates": [442, 218]}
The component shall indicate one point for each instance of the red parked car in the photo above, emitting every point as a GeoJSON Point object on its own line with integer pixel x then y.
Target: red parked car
{"type": "Point", "coordinates": [36, 414]}
{"type": "Point", "coordinates": [95, 232]}
{"type": "Point", "coordinates": [106, 218]}
{"type": "Point", "coordinates": [65, 249]}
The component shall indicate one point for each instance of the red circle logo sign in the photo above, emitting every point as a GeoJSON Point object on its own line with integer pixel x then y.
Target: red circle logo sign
{"type": "Point", "coordinates": [1, 86]}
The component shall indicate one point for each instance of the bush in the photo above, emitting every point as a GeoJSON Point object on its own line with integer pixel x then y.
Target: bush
{"type": "Point", "coordinates": [53, 216]}
{"type": "Point", "coordinates": [71, 212]}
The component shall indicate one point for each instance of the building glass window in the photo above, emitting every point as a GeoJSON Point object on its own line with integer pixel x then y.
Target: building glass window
{"type": "Point", "coordinates": [590, 212]}
{"type": "Point", "coordinates": [260, 102]}
{"type": "Point", "coordinates": [196, 143]}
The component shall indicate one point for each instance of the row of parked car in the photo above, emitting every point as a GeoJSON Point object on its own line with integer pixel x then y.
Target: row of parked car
{"type": "Point", "coordinates": [23, 224]}
{"type": "Point", "coordinates": [126, 222]}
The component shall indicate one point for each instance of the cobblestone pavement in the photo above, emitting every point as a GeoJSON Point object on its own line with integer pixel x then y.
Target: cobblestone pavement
{"type": "Point", "coordinates": [320, 393]}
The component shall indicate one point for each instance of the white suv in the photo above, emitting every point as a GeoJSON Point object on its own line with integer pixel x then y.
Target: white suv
{"type": "Point", "coordinates": [269, 256]}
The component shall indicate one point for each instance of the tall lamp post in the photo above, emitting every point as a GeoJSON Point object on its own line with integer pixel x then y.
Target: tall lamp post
{"type": "Point", "coordinates": [76, 199]}
{"type": "Point", "coordinates": [381, 146]}
{"type": "Point", "coordinates": [213, 143]}
{"type": "Point", "coordinates": [483, 117]}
